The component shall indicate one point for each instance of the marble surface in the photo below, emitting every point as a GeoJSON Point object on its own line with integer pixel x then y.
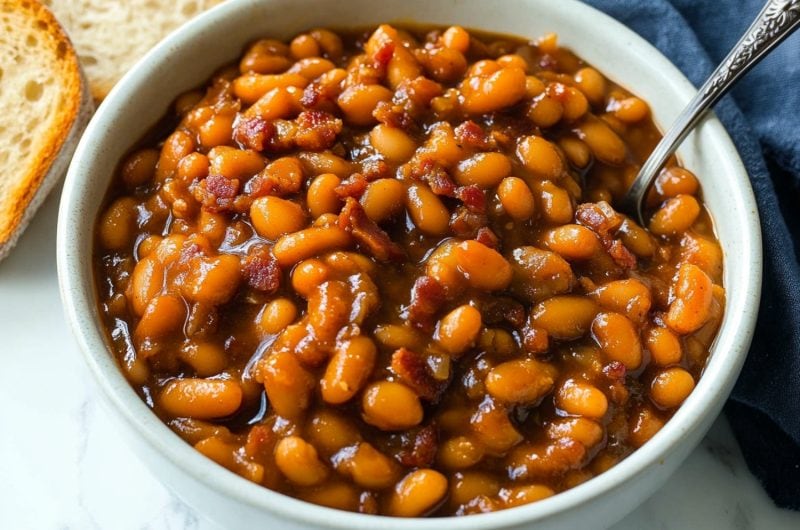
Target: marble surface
{"type": "Point", "coordinates": [63, 466]}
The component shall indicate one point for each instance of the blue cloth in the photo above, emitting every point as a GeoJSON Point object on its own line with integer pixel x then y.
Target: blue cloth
{"type": "Point", "coordinates": [762, 115]}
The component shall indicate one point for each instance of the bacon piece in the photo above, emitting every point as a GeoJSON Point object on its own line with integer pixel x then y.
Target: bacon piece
{"type": "Point", "coordinates": [261, 269]}
{"type": "Point", "coordinates": [375, 168]}
{"type": "Point", "coordinates": [418, 447]}
{"type": "Point", "coordinates": [317, 130]}
{"type": "Point", "coordinates": [367, 234]}
{"type": "Point", "coordinates": [353, 186]}
{"type": "Point", "coordinates": [393, 115]}
{"type": "Point", "coordinates": [601, 218]}
{"type": "Point", "coordinates": [383, 55]}
{"type": "Point", "coordinates": [486, 237]}
{"type": "Point", "coordinates": [427, 297]}
{"type": "Point", "coordinates": [217, 193]}
{"type": "Point", "coordinates": [469, 134]}
{"type": "Point", "coordinates": [253, 133]}
{"type": "Point", "coordinates": [473, 198]}
{"type": "Point", "coordinates": [496, 309]}
{"type": "Point", "coordinates": [466, 224]}
{"type": "Point", "coordinates": [412, 369]}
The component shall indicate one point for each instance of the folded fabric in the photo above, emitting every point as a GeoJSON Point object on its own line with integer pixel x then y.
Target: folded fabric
{"type": "Point", "coordinates": [762, 116]}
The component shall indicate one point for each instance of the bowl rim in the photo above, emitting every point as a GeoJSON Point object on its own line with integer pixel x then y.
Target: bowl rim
{"type": "Point", "coordinates": [77, 292]}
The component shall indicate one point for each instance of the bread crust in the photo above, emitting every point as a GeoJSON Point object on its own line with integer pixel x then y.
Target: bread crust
{"type": "Point", "coordinates": [55, 150]}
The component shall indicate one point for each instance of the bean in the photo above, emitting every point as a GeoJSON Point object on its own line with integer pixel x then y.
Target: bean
{"type": "Point", "coordinates": [147, 281]}
{"type": "Point", "coordinates": [540, 157]}
{"type": "Point", "coordinates": [572, 242]}
{"type": "Point", "coordinates": [117, 225]}
{"type": "Point", "coordinates": [277, 103]}
{"type": "Point", "coordinates": [315, 163]}
{"type": "Point", "coordinates": [618, 338]}
{"type": "Point", "coordinates": [213, 226]}
{"type": "Point", "coordinates": [604, 143]}
{"type": "Point", "coordinates": [392, 143]}
{"type": "Point", "coordinates": [456, 38]}
{"type": "Point", "coordinates": [565, 317]}
{"type": "Point", "coordinates": [520, 495]}
{"type": "Point", "coordinates": [417, 494]}
{"type": "Point", "coordinates": [139, 167]}
{"type": "Point", "coordinates": [445, 65]}
{"type": "Point", "coordinates": [308, 275]}
{"type": "Point", "coordinates": [458, 330]}
{"type": "Point", "coordinates": [304, 46]}
{"type": "Point", "coordinates": [581, 399]}
{"type": "Point", "coordinates": [520, 381]}
{"type": "Point", "coordinates": [383, 199]}
{"type": "Point", "coordinates": [391, 406]}
{"type": "Point", "coordinates": [193, 167]}
{"type": "Point", "coordinates": [202, 399]}
{"type": "Point", "coordinates": [176, 146]}
{"type": "Point", "coordinates": [311, 67]}
{"type": "Point", "coordinates": [299, 462]}
{"type": "Point", "coordinates": [333, 494]}
{"type": "Point", "coordinates": [426, 210]}
{"type": "Point", "coordinates": [545, 111]}
{"type": "Point", "coordinates": [493, 92]}
{"type": "Point", "coordinates": [402, 67]}
{"type": "Point", "coordinates": [485, 170]}
{"type": "Point", "coordinates": [359, 101]}
{"type": "Point", "coordinates": [274, 217]}
{"type": "Point", "coordinates": [539, 274]}
{"type": "Point", "coordinates": [592, 84]}
{"type": "Point", "coordinates": [583, 430]}
{"type": "Point", "coordinates": [276, 316]}
{"type": "Point", "coordinates": [555, 203]}
{"type": "Point", "coordinates": [484, 268]}
{"type": "Point", "coordinates": [251, 87]}
{"type": "Point", "coordinates": [322, 197]}
{"type": "Point", "coordinates": [470, 485]}
{"type": "Point", "coordinates": [576, 151]}
{"type": "Point", "coordinates": [214, 281]}
{"type": "Point", "coordinates": [630, 297]}
{"type": "Point", "coordinates": [330, 431]}
{"type": "Point", "coordinates": [493, 428]}
{"type": "Point", "coordinates": [691, 307]}
{"type": "Point", "coordinates": [162, 316]}
{"type": "Point", "coordinates": [674, 181]}
{"type": "Point", "coordinates": [329, 41]}
{"type": "Point", "coordinates": [206, 358]}
{"type": "Point", "coordinates": [516, 198]}
{"type": "Point", "coordinates": [664, 346]}
{"type": "Point", "coordinates": [369, 468]}
{"type": "Point", "coordinates": [676, 216]}
{"type": "Point", "coordinates": [644, 425]}
{"type": "Point", "coordinates": [442, 146]}
{"type": "Point", "coordinates": [703, 252]}
{"type": "Point", "coordinates": [169, 249]}
{"type": "Point", "coordinates": [287, 383]}
{"type": "Point", "coordinates": [631, 110]}
{"type": "Point", "coordinates": [348, 369]}
{"type": "Point", "coordinates": [671, 387]}
{"type": "Point", "coordinates": [217, 130]}
{"type": "Point", "coordinates": [297, 246]}
{"type": "Point", "coordinates": [460, 452]}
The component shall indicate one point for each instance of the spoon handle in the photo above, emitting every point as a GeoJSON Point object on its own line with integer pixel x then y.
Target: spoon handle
{"type": "Point", "coordinates": [774, 23]}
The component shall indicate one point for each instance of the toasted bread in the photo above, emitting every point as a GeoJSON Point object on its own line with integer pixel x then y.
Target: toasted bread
{"type": "Point", "coordinates": [44, 106]}
{"type": "Point", "coordinates": [111, 36]}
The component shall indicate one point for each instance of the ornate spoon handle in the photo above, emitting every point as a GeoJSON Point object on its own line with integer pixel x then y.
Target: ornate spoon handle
{"type": "Point", "coordinates": [776, 21]}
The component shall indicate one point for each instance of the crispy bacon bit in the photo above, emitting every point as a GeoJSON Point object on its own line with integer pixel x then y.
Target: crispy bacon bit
{"type": "Point", "coordinates": [427, 297]}
{"type": "Point", "coordinates": [413, 370]}
{"type": "Point", "coordinates": [485, 236]}
{"type": "Point", "coordinates": [261, 270]}
{"type": "Point", "coordinates": [604, 221]}
{"type": "Point", "coordinates": [465, 224]}
{"type": "Point", "coordinates": [440, 182]}
{"type": "Point", "coordinates": [217, 193]}
{"type": "Point", "coordinates": [469, 134]}
{"type": "Point", "coordinates": [320, 96]}
{"type": "Point", "coordinates": [353, 186]}
{"type": "Point", "coordinates": [393, 115]}
{"type": "Point", "coordinates": [317, 130]}
{"type": "Point", "coordinates": [253, 133]}
{"type": "Point", "coordinates": [375, 168]}
{"type": "Point", "coordinates": [368, 235]}
{"type": "Point", "coordinates": [615, 371]}
{"type": "Point", "coordinates": [260, 442]}
{"type": "Point", "coordinates": [383, 54]}
{"type": "Point", "coordinates": [418, 447]}
{"type": "Point", "coordinates": [473, 198]}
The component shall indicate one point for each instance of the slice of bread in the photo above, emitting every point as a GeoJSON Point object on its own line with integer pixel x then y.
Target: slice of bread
{"type": "Point", "coordinates": [44, 106]}
{"type": "Point", "coordinates": [111, 36]}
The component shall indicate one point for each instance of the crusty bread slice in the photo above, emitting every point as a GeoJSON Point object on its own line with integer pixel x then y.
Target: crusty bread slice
{"type": "Point", "coordinates": [44, 106]}
{"type": "Point", "coordinates": [111, 35]}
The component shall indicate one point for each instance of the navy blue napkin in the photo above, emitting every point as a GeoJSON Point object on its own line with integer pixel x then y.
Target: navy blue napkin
{"type": "Point", "coordinates": [762, 116]}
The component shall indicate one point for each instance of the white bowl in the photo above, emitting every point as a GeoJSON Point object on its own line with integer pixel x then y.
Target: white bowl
{"type": "Point", "coordinates": [187, 58]}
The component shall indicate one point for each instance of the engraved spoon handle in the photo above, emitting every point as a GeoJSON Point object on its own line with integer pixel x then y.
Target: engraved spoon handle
{"type": "Point", "coordinates": [776, 21]}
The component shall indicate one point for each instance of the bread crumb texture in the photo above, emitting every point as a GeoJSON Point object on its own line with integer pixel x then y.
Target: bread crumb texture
{"type": "Point", "coordinates": [111, 35]}
{"type": "Point", "coordinates": [40, 95]}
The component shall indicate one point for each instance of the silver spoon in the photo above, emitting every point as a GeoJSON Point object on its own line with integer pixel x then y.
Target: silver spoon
{"type": "Point", "coordinates": [776, 21]}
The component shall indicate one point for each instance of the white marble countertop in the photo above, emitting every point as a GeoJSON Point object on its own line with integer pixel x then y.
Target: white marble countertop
{"type": "Point", "coordinates": [63, 466]}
